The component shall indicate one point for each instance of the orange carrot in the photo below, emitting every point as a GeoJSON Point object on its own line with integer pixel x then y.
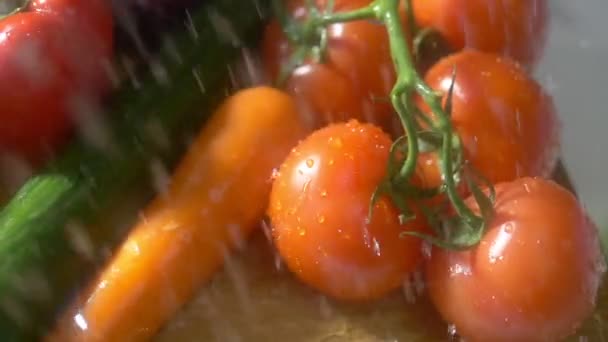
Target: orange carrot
{"type": "Point", "coordinates": [217, 196]}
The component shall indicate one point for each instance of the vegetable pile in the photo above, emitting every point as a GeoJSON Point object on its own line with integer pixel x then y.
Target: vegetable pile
{"type": "Point", "coordinates": [397, 137]}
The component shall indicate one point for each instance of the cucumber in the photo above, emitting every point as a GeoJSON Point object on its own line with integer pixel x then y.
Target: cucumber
{"type": "Point", "coordinates": [41, 262]}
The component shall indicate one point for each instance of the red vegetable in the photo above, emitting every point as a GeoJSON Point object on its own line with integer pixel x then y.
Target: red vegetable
{"type": "Point", "coordinates": [50, 53]}
{"type": "Point", "coordinates": [533, 277]}
{"type": "Point", "coordinates": [507, 123]}
{"type": "Point", "coordinates": [319, 214]}
{"type": "Point", "coordinates": [513, 28]}
{"type": "Point", "coordinates": [357, 52]}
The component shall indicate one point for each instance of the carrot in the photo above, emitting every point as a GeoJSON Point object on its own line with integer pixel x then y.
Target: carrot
{"type": "Point", "coordinates": [217, 196]}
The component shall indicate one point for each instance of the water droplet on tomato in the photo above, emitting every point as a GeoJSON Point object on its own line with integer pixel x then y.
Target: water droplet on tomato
{"type": "Point", "coordinates": [310, 163]}
{"type": "Point", "coordinates": [321, 219]}
{"type": "Point", "coordinates": [278, 262]}
{"type": "Point", "coordinates": [323, 193]}
{"type": "Point", "coordinates": [336, 142]}
{"type": "Point", "coordinates": [408, 291]}
{"type": "Point", "coordinates": [452, 331]}
{"type": "Point", "coordinates": [302, 232]}
{"type": "Point", "coordinates": [376, 247]}
{"type": "Point", "coordinates": [460, 269]}
{"type": "Point", "coordinates": [331, 162]}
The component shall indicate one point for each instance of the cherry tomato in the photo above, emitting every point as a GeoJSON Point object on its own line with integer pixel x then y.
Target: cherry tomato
{"type": "Point", "coordinates": [507, 124]}
{"type": "Point", "coordinates": [358, 50]}
{"type": "Point", "coordinates": [319, 214]}
{"type": "Point", "coordinates": [336, 104]}
{"type": "Point", "coordinates": [533, 277]}
{"type": "Point", "coordinates": [512, 28]}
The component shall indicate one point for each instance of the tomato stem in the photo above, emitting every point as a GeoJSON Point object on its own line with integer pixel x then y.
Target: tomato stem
{"type": "Point", "coordinates": [362, 13]}
{"type": "Point", "coordinates": [311, 37]}
{"type": "Point", "coordinates": [286, 21]}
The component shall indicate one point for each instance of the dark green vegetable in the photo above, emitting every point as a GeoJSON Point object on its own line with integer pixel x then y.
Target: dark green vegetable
{"type": "Point", "coordinates": [47, 242]}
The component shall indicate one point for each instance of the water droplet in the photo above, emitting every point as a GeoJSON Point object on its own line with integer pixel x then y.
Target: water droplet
{"type": "Point", "coordinates": [278, 263]}
{"type": "Point", "coordinates": [460, 269]}
{"type": "Point", "coordinates": [409, 291]}
{"type": "Point", "coordinates": [275, 173]}
{"type": "Point", "coordinates": [301, 232]}
{"type": "Point", "coordinates": [305, 186]}
{"type": "Point", "coordinates": [452, 331]}
{"type": "Point", "coordinates": [427, 249]}
{"type": "Point", "coordinates": [324, 193]}
{"type": "Point", "coordinates": [310, 163]}
{"type": "Point", "coordinates": [134, 247]}
{"type": "Point", "coordinates": [376, 247]}
{"type": "Point", "coordinates": [321, 219]}
{"type": "Point", "coordinates": [81, 322]}
{"type": "Point", "coordinates": [331, 162]}
{"type": "Point", "coordinates": [80, 240]}
{"type": "Point", "coordinates": [336, 142]}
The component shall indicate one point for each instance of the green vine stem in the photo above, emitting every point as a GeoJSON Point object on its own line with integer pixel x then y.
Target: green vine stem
{"type": "Point", "coordinates": [310, 36]}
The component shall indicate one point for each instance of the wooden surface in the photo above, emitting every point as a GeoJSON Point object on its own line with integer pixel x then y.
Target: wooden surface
{"type": "Point", "coordinates": [255, 299]}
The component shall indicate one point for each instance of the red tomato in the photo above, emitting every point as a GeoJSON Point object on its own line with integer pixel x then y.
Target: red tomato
{"type": "Point", "coordinates": [50, 53]}
{"type": "Point", "coordinates": [512, 28]}
{"type": "Point", "coordinates": [507, 123]}
{"type": "Point", "coordinates": [91, 36]}
{"type": "Point", "coordinates": [33, 84]}
{"type": "Point", "coordinates": [533, 277]}
{"type": "Point", "coordinates": [319, 209]}
{"type": "Point", "coordinates": [336, 104]}
{"type": "Point", "coordinates": [358, 50]}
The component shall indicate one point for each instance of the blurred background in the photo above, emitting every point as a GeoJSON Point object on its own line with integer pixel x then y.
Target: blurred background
{"type": "Point", "coordinates": [574, 70]}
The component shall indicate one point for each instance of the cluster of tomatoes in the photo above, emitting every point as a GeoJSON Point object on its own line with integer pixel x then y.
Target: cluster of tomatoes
{"type": "Point", "coordinates": [53, 58]}
{"type": "Point", "coordinates": [535, 272]}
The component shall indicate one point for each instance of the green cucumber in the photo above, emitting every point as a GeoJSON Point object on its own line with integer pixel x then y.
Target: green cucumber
{"type": "Point", "coordinates": [40, 264]}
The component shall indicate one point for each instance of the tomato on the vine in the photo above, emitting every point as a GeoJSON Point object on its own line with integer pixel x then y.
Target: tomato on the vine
{"type": "Point", "coordinates": [512, 28]}
{"type": "Point", "coordinates": [337, 103]}
{"type": "Point", "coordinates": [533, 277]}
{"type": "Point", "coordinates": [507, 123]}
{"type": "Point", "coordinates": [319, 215]}
{"type": "Point", "coordinates": [50, 53]}
{"type": "Point", "coordinates": [358, 51]}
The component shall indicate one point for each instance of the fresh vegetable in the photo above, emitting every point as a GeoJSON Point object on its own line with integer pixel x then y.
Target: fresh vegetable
{"type": "Point", "coordinates": [91, 38]}
{"type": "Point", "coordinates": [533, 277]}
{"type": "Point", "coordinates": [319, 209]}
{"type": "Point", "coordinates": [48, 62]}
{"type": "Point", "coordinates": [512, 28]}
{"type": "Point", "coordinates": [336, 103]}
{"type": "Point", "coordinates": [36, 227]}
{"type": "Point", "coordinates": [215, 199]}
{"type": "Point", "coordinates": [358, 51]}
{"type": "Point", "coordinates": [507, 123]}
